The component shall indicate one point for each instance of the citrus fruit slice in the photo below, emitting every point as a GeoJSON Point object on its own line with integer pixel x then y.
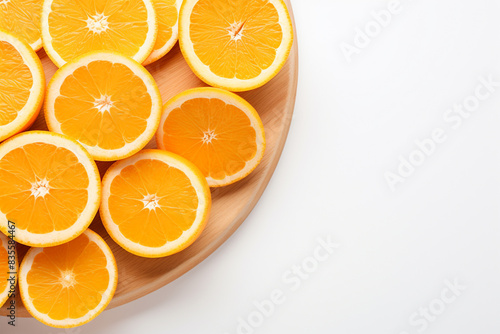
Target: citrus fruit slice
{"type": "Point", "coordinates": [106, 101]}
{"type": "Point", "coordinates": [22, 85]}
{"type": "Point", "coordinates": [22, 18]}
{"type": "Point", "coordinates": [50, 188]}
{"type": "Point", "coordinates": [168, 28]}
{"type": "Point", "coordinates": [155, 203]}
{"type": "Point", "coordinates": [73, 28]}
{"type": "Point", "coordinates": [237, 45]}
{"type": "Point", "coordinates": [218, 131]}
{"type": "Point", "coordinates": [71, 284]}
{"type": "Point", "coordinates": [8, 268]}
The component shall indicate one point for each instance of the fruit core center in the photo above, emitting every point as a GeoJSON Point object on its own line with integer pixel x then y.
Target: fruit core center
{"type": "Point", "coordinates": [97, 23]}
{"type": "Point", "coordinates": [151, 202]}
{"type": "Point", "coordinates": [208, 136]}
{"type": "Point", "coordinates": [236, 30]}
{"type": "Point", "coordinates": [103, 103]}
{"type": "Point", "coordinates": [67, 278]}
{"type": "Point", "coordinates": [4, 2]}
{"type": "Point", "coordinates": [40, 188]}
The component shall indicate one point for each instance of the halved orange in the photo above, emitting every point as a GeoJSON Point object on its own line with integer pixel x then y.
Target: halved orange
{"type": "Point", "coordinates": [217, 130]}
{"type": "Point", "coordinates": [155, 203]}
{"type": "Point", "coordinates": [8, 268]}
{"type": "Point", "coordinates": [73, 28]}
{"type": "Point", "coordinates": [238, 45]}
{"type": "Point", "coordinates": [106, 101]}
{"type": "Point", "coordinates": [22, 85]}
{"type": "Point", "coordinates": [168, 28]}
{"type": "Point", "coordinates": [50, 188]}
{"type": "Point", "coordinates": [22, 18]}
{"type": "Point", "coordinates": [71, 284]}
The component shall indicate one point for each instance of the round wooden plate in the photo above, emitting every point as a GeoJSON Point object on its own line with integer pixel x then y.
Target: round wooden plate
{"type": "Point", "coordinates": [275, 101]}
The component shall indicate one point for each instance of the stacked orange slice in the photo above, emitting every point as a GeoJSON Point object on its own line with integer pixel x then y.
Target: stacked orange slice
{"type": "Point", "coordinates": [22, 85]}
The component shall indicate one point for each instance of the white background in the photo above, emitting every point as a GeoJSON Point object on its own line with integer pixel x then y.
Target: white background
{"type": "Point", "coordinates": [352, 122]}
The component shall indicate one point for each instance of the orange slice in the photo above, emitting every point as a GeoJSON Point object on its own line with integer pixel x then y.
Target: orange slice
{"type": "Point", "coordinates": [8, 268]}
{"type": "Point", "coordinates": [106, 101]}
{"type": "Point", "coordinates": [22, 85]}
{"type": "Point", "coordinates": [218, 131]}
{"type": "Point", "coordinates": [71, 284]}
{"type": "Point", "coordinates": [22, 18]}
{"type": "Point", "coordinates": [155, 203]}
{"type": "Point", "coordinates": [73, 28]}
{"type": "Point", "coordinates": [237, 45]}
{"type": "Point", "coordinates": [168, 28]}
{"type": "Point", "coordinates": [49, 188]}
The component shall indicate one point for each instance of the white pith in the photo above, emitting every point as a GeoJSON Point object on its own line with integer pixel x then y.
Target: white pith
{"type": "Point", "coordinates": [97, 23]}
{"type": "Point", "coordinates": [40, 188]}
{"type": "Point", "coordinates": [209, 136]}
{"type": "Point", "coordinates": [151, 202]}
{"type": "Point", "coordinates": [104, 103]}
{"type": "Point", "coordinates": [236, 31]}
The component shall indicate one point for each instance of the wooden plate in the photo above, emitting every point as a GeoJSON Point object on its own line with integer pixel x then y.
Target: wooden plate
{"type": "Point", "coordinates": [231, 205]}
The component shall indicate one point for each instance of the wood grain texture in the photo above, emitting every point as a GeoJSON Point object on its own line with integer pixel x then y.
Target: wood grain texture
{"type": "Point", "coordinates": [231, 205]}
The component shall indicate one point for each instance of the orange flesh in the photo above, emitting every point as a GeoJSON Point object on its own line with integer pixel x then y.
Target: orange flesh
{"type": "Point", "coordinates": [152, 203]}
{"type": "Point", "coordinates": [236, 39]}
{"type": "Point", "coordinates": [15, 83]}
{"type": "Point", "coordinates": [4, 267]}
{"type": "Point", "coordinates": [68, 281]}
{"type": "Point", "coordinates": [103, 104]}
{"type": "Point", "coordinates": [22, 18]}
{"type": "Point", "coordinates": [167, 17]}
{"type": "Point", "coordinates": [43, 188]}
{"type": "Point", "coordinates": [78, 27]}
{"type": "Point", "coordinates": [217, 137]}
